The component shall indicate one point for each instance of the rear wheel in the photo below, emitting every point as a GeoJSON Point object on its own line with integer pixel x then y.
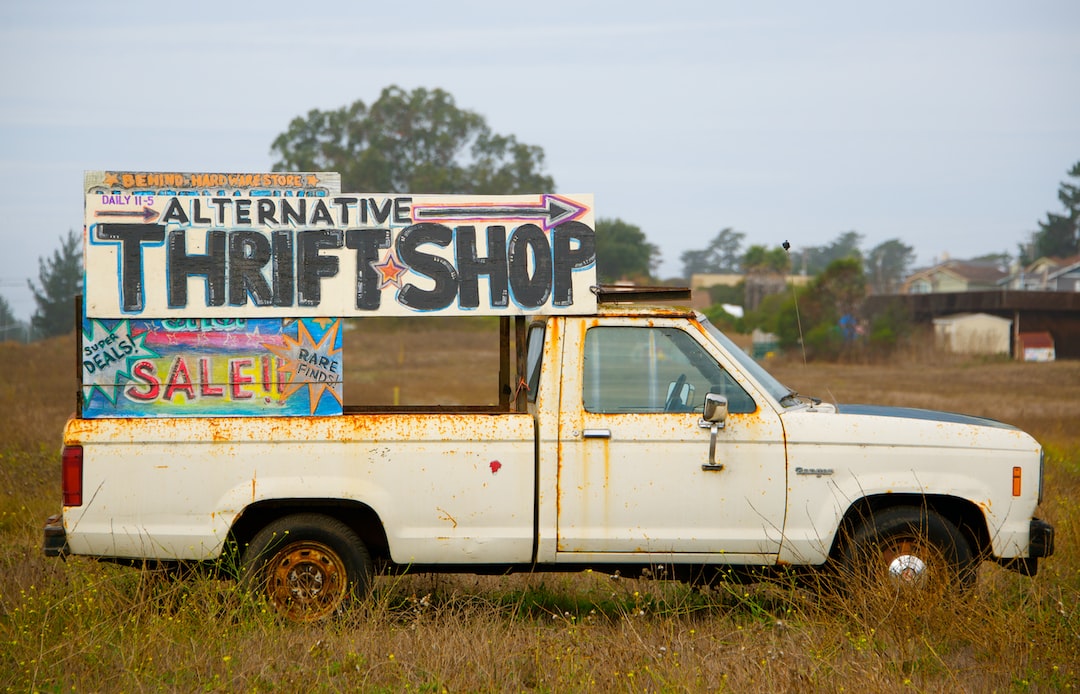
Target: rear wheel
{"type": "Point", "coordinates": [909, 550]}
{"type": "Point", "coordinates": [307, 566]}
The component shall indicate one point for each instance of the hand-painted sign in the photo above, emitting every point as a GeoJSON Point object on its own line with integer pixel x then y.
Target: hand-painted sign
{"type": "Point", "coordinates": [201, 367]}
{"type": "Point", "coordinates": [221, 246]}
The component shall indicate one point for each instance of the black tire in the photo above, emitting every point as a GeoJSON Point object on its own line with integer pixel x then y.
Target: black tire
{"type": "Point", "coordinates": [307, 566]}
{"type": "Point", "coordinates": [908, 549]}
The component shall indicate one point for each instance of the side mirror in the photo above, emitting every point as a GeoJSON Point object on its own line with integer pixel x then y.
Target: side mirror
{"type": "Point", "coordinates": [715, 409]}
{"type": "Point", "coordinates": [715, 412]}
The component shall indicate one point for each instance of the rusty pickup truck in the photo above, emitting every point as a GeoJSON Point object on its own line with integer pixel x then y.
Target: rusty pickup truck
{"type": "Point", "coordinates": [646, 438]}
{"type": "Point", "coordinates": [629, 432]}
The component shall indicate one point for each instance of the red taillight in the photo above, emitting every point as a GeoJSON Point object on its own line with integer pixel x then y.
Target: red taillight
{"type": "Point", "coordinates": [71, 474]}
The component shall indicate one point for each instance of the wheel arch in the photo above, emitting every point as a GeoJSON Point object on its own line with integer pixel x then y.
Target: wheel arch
{"type": "Point", "coordinates": [361, 518]}
{"type": "Point", "coordinates": [963, 513]}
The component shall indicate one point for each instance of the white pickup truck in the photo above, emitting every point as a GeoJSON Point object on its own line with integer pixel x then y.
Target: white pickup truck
{"type": "Point", "coordinates": [643, 437]}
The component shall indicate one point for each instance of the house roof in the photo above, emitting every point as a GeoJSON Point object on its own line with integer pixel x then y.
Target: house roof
{"type": "Point", "coordinates": [1037, 340]}
{"type": "Point", "coordinates": [966, 317]}
{"type": "Point", "coordinates": [985, 273]}
{"type": "Point", "coordinates": [1053, 262]}
{"type": "Point", "coordinates": [1065, 269]}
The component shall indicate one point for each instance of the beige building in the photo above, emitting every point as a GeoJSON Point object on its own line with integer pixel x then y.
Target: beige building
{"type": "Point", "coordinates": [973, 333]}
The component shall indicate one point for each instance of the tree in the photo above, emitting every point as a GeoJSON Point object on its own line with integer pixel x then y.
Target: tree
{"type": "Point", "coordinates": [722, 256]}
{"type": "Point", "coordinates": [762, 260]}
{"type": "Point", "coordinates": [623, 252]}
{"type": "Point", "coordinates": [887, 264]}
{"type": "Point", "coordinates": [60, 280]}
{"type": "Point", "coordinates": [1056, 238]}
{"type": "Point", "coordinates": [829, 309]}
{"type": "Point", "coordinates": [1059, 235]}
{"type": "Point", "coordinates": [766, 273]}
{"type": "Point", "coordinates": [417, 141]}
{"type": "Point", "coordinates": [10, 327]}
{"type": "Point", "coordinates": [816, 258]}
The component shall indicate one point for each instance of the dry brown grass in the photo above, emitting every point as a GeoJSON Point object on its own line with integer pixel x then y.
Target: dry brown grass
{"type": "Point", "coordinates": [1041, 398]}
{"type": "Point", "coordinates": [86, 626]}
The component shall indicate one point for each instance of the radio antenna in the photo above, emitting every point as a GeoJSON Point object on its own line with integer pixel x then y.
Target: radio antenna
{"type": "Point", "coordinates": [795, 296]}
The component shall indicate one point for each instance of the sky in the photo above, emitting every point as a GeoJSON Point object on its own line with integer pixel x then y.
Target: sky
{"type": "Point", "coordinates": [946, 125]}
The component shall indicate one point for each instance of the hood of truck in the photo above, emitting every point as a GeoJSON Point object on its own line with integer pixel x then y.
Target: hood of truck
{"type": "Point", "coordinates": [874, 426]}
{"type": "Point", "coordinates": [916, 413]}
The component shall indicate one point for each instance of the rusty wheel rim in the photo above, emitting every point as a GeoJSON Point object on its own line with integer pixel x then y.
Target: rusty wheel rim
{"type": "Point", "coordinates": [908, 562]}
{"type": "Point", "coordinates": [306, 581]}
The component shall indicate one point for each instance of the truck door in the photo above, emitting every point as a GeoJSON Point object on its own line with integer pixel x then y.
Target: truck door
{"type": "Point", "coordinates": [632, 447]}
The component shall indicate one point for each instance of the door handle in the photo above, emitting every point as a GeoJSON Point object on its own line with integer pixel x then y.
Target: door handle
{"type": "Point", "coordinates": [596, 434]}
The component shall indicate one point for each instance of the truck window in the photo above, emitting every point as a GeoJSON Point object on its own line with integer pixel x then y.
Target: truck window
{"type": "Point", "coordinates": [629, 369]}
{"type": "Point", "coordinates": [532, 360]}
{"type": "Point", "coordinates": [439, 361]}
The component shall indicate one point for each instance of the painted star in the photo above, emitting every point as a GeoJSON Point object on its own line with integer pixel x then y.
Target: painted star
{"type": "Point", "coordinates": [391, 271]}
{"type": "Point", "coordinates": [118, 349]}
{"type": "Point", "coordinates": [291, 362]}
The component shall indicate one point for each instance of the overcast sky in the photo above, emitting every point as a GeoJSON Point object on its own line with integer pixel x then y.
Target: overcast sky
{"type": "Point", "coordinates": [947, 125]}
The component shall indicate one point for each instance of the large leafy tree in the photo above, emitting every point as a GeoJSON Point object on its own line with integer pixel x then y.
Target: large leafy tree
{"type": "Point", "coordinates": [723, 255]}
{"type": "Point", "coordinates": [824, 318]}
{"type": "Point", "coordinates": [887, 264]}
{"type": "Point", "coordinates": [418, 142]}
{"type": "Point", "coordinates": [60, 280]}
{"type": "Point", "coordinates": [623, 252]}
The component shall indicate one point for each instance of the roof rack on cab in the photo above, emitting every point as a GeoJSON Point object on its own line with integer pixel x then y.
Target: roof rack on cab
{"type": "Point", "coordinates": [629, 293]}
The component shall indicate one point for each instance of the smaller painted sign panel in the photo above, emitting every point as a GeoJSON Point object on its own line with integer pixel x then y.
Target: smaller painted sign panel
{"type": "Point", "coordinates": [198, 367]}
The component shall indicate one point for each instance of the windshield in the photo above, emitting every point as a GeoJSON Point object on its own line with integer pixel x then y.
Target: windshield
{"type": "Point", "coordinates": [756, 371]}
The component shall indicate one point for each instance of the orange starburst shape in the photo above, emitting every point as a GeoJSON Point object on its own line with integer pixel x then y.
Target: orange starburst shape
{"type": "Point", "coordinates": [309, 364]}
{"type": "Point", "coordinates": [391, 271]}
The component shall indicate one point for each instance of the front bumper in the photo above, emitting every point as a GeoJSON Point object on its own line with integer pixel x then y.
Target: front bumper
{"type": "Point", "coordinates": [55, 537]}
{"type": "Point", "coordinates": [1040, 544]}
{"type": "Point", "coordinates": [1041, 539]}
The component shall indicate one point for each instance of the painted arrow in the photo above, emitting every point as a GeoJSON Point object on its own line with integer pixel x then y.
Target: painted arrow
{"type": "Point", "coordinates": [147, 214]}
{"type": "Point", "coordinates": [551, 210]}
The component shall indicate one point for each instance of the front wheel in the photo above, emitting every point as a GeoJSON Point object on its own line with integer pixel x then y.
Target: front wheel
{"type": "Point", "coordinates": [908, 549]}
{"type": "Point", "coordinates": [307, 566]}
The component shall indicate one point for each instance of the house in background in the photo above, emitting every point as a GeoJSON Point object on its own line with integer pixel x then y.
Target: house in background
{"type": "Point", "coordinates": [973, 333]}
{"type": "Point", "coordinates": [1047, 275]}
{"type": "Point", "coordinates": [954, 276]}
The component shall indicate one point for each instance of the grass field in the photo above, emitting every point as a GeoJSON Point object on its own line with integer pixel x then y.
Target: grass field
{"type": "Point", "coordinates": [84, 626]}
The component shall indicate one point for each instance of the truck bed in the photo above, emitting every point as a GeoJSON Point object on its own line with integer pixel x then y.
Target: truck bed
{"type": "Point", "coordinates": [467, 480]}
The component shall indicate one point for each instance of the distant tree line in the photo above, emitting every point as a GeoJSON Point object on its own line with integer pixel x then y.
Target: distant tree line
{"type": "Point", "coordinates": [421, 141]}
{"type": "Point", "coordinates": [59, 282]}
{"type": "Point", "coordinates": [885, 265]}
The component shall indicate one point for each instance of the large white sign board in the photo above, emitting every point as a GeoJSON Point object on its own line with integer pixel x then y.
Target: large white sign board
{"type": "Point", "coordinates": [292, 245]}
